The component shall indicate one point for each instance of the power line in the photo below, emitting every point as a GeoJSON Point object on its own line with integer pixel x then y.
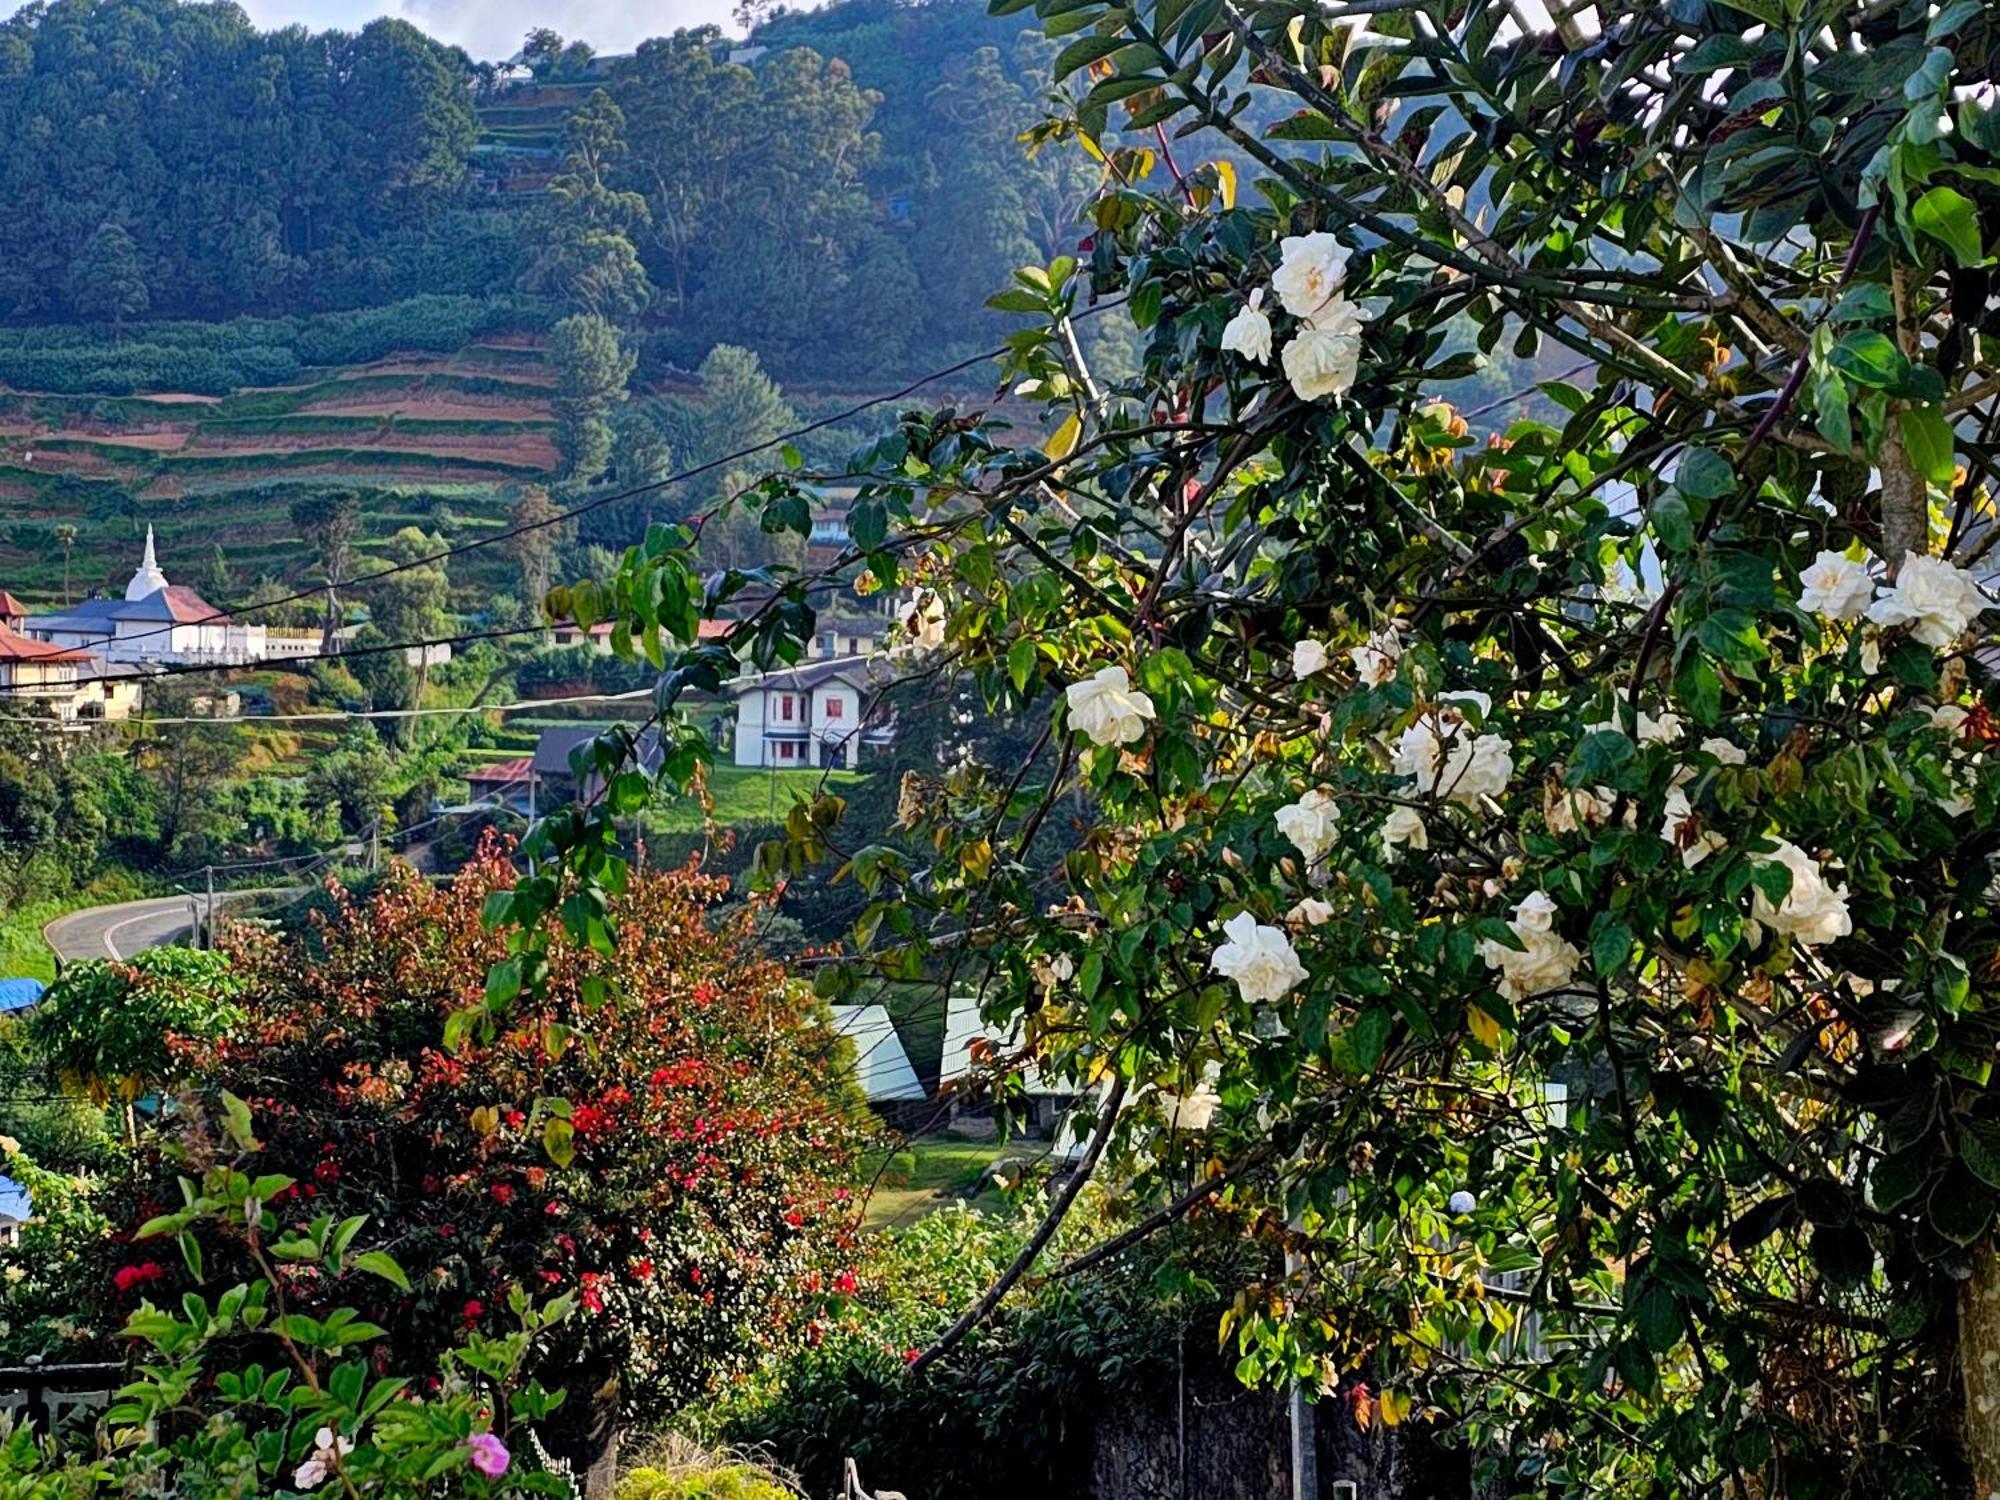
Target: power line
{"type": "Point", "coordinates": [345, 715]}
{"type": "Point", "coordinates": [458, 550]}
{"type": "Point", "coordinates": [285, 663]}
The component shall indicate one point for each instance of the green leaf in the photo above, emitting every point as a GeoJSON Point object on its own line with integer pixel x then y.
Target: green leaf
{"type": "Point", "coordinates": [1705, 474]}
{"type": "Point", "coordinates": [1671, 522]}
{"type": "Point", "coordinates": [1082, 52]}
{"type": "Point", "coordinates": [1927, 439]}
{"type": "Point", "coordinates": [1869, 358]}
{"type": "Point", "coordinates": [503, 982]}
{"type": "Point", "coordinates": [382, 1264]}
{"type": "Point", "coordinates": [236, 1121]}
{"type": "Point", "coordinates": [1979, 1149]}
{"type": "Point", "coordinates": [559, 1140]}
{"type": "Point", "coordinates": [1948, 216]}
{"type": "Point", "coordinates": [1610, 948]}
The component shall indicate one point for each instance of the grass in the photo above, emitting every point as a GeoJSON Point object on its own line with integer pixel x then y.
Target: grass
{"type": "Point", "coordinates": [23, 952]}
{"type": "Point", "coordinates": [929, 1172]}
{"type": "Point", "coordinates": [745, 794]}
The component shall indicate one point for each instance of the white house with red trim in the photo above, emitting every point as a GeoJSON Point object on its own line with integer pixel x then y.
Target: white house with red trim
{"type": "Point", "coordinates": [820, 714]}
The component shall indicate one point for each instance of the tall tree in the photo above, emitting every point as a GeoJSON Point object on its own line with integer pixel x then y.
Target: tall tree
{"type": "Point", "coordinates": [538, 530]}
{"type": "Point", "coordinates": [64, 533]}
{"type": "Point", "coordinates": [413, 605]}
{"type": "Point", "coordinates": [107, 280]}
{"type": "Point", "coordinates": [592, 367]}
{"type": "Point", "coordinates": [588, 259]}
{"type": "Point", "coordinates": [741, 406]}
{"type": "Point", "coordinates": [328, 521]}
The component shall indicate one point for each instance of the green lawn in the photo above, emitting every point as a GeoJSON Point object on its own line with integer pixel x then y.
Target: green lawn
{"type": "Point", "coordinates": [744, 794]}
{"type": "Point", "coordinates": [931, 1171]}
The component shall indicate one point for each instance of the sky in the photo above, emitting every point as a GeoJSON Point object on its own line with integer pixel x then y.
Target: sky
{"type": "Point", "coordinates": [492, 29]}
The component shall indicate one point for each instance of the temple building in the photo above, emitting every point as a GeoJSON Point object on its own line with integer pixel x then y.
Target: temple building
{"type": "Point", "coordinates": [158, 622]}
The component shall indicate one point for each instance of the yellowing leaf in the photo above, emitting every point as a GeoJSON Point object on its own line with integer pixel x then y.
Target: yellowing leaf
{"type": "Point", "coordinates": [486, 1119]}
{"type": "Point", "coordinates": [1394, 1406]}
{"type": "Point", "coordinates": [1062, 442]}
{"type": "Point", "coordinates": [1483, 1027]}
{"type": "Point", "coordinates": [1225, 174]}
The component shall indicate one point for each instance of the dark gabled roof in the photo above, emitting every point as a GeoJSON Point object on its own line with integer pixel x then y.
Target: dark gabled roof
{"type": "Point", "coordinates": [552, 750]}
{"type": "Point", "coordinates": [855, 671]}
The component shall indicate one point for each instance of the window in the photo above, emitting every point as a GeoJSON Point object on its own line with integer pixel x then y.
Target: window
{"type": "Point", "coordinates": [835, 709]}
{"type": "Point", "coordinates": [785, 707]}
{"type": "Point", "coordinates": [785, 750]}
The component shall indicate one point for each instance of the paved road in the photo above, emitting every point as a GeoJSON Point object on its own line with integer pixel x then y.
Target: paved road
{"type": "Point", "coordinates": [123, 930]}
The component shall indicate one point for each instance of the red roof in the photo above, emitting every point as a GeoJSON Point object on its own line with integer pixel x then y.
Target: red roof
{"type": "Point", "coordinates": [501, 773]}
{"type": "Point", "coordinates": [19, 648]}
{"type": "Point", "coordinates": [9, 605]}
{"type": "Point", "coordinates": [713, 630]}
{"type": "Point", "coordinates": [187, 607]}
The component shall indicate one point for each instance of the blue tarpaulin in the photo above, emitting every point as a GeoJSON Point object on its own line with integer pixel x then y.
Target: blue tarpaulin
{"type": "Point", "coordinates": [19, 994]}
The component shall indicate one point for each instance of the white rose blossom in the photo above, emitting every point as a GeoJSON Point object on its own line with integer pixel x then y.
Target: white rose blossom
{"type": "Point", "coordinates": [1444, 757]}
{"type": "Point", "coordinates": [1375, 659]}
{"type": "Point", "coordinates": [1931, 596]}
{"type": "Point", "coordinates": [1312, 823]}
{"type": "Point", "coordinates": [1308, 657]}
{"type": "Point", "coordinates": [1108, 709]}
{"type": "Point", "coordinates": [1681, 827]}
{"type": "Point", "coordinates": [1311, 268]}
{"type": "Point", "coordinates": [1249, 332]}
{"type": "Point", "coordinates": [1310, 912]}
{"type": "Point", "coordinates": [1404, 828]}
{"type": "Point", "coordinates": [327, 1452]}
{"type": "Point", "coordinates": [1260, 959]}
{"type": "Point", "coordinates": [1323, 357]}
{"type": "Point", "coordinates": [1544, 961]}
{"type": "Point", "coordinates": [924, 618]}
{"type": "Point", "coordinates": [1814, 910]}
{"type": "Point", "coordinates": [1568, 808]}
{"type": "Point", "coordinates": [1836, 586]}
{"type": "Point", "coordinates": [1726, 751]}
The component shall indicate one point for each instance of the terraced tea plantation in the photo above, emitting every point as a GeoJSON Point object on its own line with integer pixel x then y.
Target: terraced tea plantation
{"type": "Point", "coordinates": [437, 440]}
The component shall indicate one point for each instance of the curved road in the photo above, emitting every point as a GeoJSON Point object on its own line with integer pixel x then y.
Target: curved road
{"type": "Point", "coordinates": [123, 930]}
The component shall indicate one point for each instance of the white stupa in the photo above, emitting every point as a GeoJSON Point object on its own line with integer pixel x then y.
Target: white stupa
{"type": "Point", "coordinates": [149, 580]}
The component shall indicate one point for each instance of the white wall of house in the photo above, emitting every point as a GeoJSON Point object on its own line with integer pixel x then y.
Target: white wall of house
{"type": "Point", "coordinates": [791, 728]}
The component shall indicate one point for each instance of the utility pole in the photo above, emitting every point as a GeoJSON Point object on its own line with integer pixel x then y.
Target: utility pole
{"type": "Point", "coordinates": [1305, 1455]}
{"type": "Point", "coordinates": [208, 928]}
{"type": "Point", "coordinates": [375, 846]}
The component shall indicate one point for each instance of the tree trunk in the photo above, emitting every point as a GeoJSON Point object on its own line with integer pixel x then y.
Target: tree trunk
{"type": "Point", "coordinates": [583, 1431]}
{"type": "Point", "coordinates": [1979, 1366]}
{"type": "Point", "coordinates": [1906, 505]}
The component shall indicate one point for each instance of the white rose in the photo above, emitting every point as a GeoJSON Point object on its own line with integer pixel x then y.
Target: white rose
{"type": "Point", "coordinates": [1308, 657]}
{"type": "Point", "coordinates": [1375, 661]}
{"type": "Point", "coordinates": [1726, 751]}
{"type": "Point", "coordinates": [1322, 357]}
{"type": "Point", "coordinates": [1249, 332]}
{"type": "Point", "coordinates": [1310, 912]}
{"type": "Point", "coordinates": [1260, 959]}
{"type": "Point", "coordinates": [1108, 709]}
{"type": "Point", "coordinates": [1416, 753]}
{"type": "Point", "coordinates": [1567, 808]}
{"type": "Point", "coordinates": [1312, 823]}
{"type": "Point", "coordinates": [1813, 911]}
{"type": "Point", "coordinates": [923, 619]}
{"type": "Point", "coordinates": [1404, 827]}
{"type": "Point", "coordinates": [1544, 961]}
{"type": "Point", "coordinates": [1681, 827]}
{"type": "Point", "coordinates": [1311, 268]}
{"type": "Point", "coordinates": [1936, 600]}
{"type": "Point", "coordinates": [1835, 586]}
{"type": "Point", "coordinates": [1461, 1202]}
{"type": "Point", "coordinates": [1665, 730]}
{"type": "Point", "coordinates": [1477, 769]}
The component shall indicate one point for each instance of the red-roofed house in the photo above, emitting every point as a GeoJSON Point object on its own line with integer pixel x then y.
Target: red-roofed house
{"type": "Point", "coordinates": [13, 613]}
{"type": "Point", "coordinates": [35, 672]}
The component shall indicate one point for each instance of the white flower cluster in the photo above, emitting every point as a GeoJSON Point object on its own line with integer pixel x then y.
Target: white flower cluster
{"type": "Point", "coordinates": [1374, 660]}
{"type": "Point", "coordinates": [1260, 959]}
{"type": "Point", "coordinates": [1325, 352]}
{"type": "Point", "coordinates": [1544, 961]}
{"type": "Point", "coordinates": [1935, 598]}
{"type": "Point", "coordinates": [1445, 757]}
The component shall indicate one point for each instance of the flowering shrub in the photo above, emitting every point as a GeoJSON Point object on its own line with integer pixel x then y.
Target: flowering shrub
{"type": "Point", "coordinates": [1659, 918]}
{"type": "Point", "coordinates": [204, 1416]}
{"type": "Point", "coordinates": [652, 1136]}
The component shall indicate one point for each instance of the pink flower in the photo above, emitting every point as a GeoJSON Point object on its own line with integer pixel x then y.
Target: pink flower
{"type": "Point", "coordinates": [489, 1454]}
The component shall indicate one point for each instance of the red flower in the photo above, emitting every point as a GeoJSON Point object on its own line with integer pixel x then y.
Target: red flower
{"type": "Point", "coordinates": [503, 1193]}
{"type": "Point", "coordinates": [845, 1283]}
{"type": "Point", "coordinates": [474, 1310]}
{"type": "Point", "coordinates": [643, 1269]}
{"type": "Point", "coordinates": [127, 1277]}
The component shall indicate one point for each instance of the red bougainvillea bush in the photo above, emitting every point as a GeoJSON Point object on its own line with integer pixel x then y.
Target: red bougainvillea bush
{"type": "Point", "coordinates": [661, 1130]}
